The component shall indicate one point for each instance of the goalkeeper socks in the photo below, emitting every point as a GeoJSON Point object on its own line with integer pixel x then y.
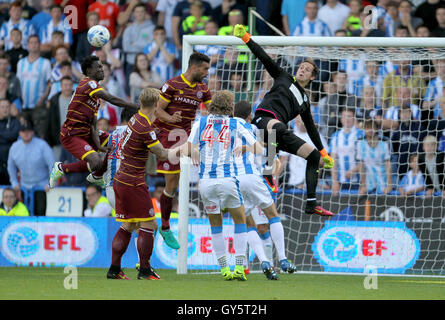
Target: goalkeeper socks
{"type": "Point", "coordinates": [145, 246]}
{"type": "Point", "coordinates": [166, 209]}
{"type": "Point", "coordinates": [240, 243]}
{"type": "Point", "coordinates": [256, 244]}
{"type": "Point", "coordinates": [313, 161]}
{"type": "Point", "coordinates": [277, 233]}
{"type": "Point", "coordinates": [78, 166]}
{"type": "Point", "coordinates": [218, 245]}
{"type": "Point", "coordinates": [119, 246]}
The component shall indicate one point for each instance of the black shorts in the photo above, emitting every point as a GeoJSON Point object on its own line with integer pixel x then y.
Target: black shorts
{"type": "Point", "coordinates": [285, 138]}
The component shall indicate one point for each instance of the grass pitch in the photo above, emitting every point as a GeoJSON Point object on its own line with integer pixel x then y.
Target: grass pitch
{"type": "Point", "coordinates": [31, 283]}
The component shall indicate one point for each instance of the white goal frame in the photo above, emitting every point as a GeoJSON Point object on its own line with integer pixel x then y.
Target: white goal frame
{"type": "Point", "coordinates": [189, 41]}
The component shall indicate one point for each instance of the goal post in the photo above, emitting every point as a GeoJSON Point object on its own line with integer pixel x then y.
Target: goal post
{"type": "Point", "coordinates": [392, 233]}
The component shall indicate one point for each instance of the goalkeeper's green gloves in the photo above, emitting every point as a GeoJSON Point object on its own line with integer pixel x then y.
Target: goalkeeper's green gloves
{"type": "Point", "coordinates": [240, 32]}
{"type": "Point", "coordinates": [328, 161]}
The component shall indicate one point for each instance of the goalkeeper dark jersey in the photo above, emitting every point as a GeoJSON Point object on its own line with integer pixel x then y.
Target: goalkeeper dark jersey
{"type": "Point", "coordinates": [286, 99]}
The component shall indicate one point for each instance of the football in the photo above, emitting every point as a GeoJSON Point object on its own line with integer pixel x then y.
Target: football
{"type": "Point", "coordinates": [98, 36]}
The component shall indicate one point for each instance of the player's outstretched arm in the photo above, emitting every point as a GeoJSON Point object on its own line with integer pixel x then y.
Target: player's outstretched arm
{"type": "Point", "coordinates": [105, 95]}
{"type": "Point", "coordinates": [273, 68]}
{"type": "Point", "coordinates": [160, 152]}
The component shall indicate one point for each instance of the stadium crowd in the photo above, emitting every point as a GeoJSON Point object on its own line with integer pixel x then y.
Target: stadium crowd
{"type": "Point", "coordinates": [383, 121]}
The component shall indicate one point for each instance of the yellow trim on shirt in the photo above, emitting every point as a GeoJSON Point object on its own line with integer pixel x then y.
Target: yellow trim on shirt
{"type": "Point", "coordinates": [153, 144]}
{"type": "Point", "coordinates": [94, 91]}
{"type": "Point", "coordinates": [188, 83]}
{"type": "Point", "coordinates": [144, 116]}
{"type": "Point", "coordinates": [86, 154]}
{"type": "Point", "coordinates": [165, 99]}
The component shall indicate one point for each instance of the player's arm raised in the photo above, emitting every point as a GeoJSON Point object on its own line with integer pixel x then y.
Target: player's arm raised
{"type": "Point", "coordinates": [273, 68]}
{"type": "Point", "coordinates": [105, 95]}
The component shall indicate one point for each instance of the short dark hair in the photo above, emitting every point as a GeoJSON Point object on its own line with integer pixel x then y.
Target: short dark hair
{"type": "Point", "coordinates": [66, 78]}
{"type": "Point", "coordinates": [311, 62]}
{"type": "Point", "coordinates": [242, 109]}
{"type": "Point", "coordinates": [160, 184]}
{"type": "Point", "coordinates": [55, 6]}
{"type": "Point", "coordinates": [197, 58]}
{"type": "Point", "coordinates": [95, 186]}
{"type": "Point", "coordinates": [159, 28]}
{"type": "Point", "coordinates": [65, 63]}
{"type": "Point", "coordinates": [88, 63]}
{"type": "Point", "coordinates": [127, 113]}
{"type": "Point", "coordinates": [140, 4]}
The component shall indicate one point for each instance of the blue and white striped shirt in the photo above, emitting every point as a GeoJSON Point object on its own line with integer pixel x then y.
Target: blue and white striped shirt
{"type": "Point", "coordinates": [374, 160]}
{"type": "Point", "coordinates": [63, 26]}
{"type": "Point", "coordinates": [248, 163]}
{"type": "Point", "coordinates": [393, 112]}
{"type": "Point", "coordinates": [412, 182]}
{"type": "Point", "coordinates": [356, 71]}
{"type": "Point", "coordinates": [344, 145]}
{"type": "Point", "coordinates": [24, 25]}
{"type": "Point", "coordinates": [216, 136]}
{"type": "Point", "coordinates": [114, 157]}
{"type": "Point", "coordinates": [433, 92]}
{"type": "Point", "coordinates": [34, 78]}
{"type": "Point", "coordinates": [159, 64]}
{"type": "Point", "coordinates": [316, 28]}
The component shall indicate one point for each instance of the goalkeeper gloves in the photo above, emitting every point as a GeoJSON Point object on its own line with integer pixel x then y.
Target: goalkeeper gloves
{"type": "Point", "coordinates": [240, 32]}
{"type": "Point", "coordinates": [328, 161]}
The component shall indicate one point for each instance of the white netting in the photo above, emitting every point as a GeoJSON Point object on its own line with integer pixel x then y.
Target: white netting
{"type": "Point", "coordinates": [399, 89]}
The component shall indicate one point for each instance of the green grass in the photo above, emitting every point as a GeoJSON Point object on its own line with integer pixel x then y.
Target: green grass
{"type": "Point", "coordinates": [48, 283]}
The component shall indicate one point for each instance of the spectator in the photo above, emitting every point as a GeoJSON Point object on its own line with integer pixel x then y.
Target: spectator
{"type": "Point", "coordinates": [235, 17]}
{"type": "Point", "coordinates": [16, 52]}
{"type": "Point", "coordinates": [10, 206]}
{"type": "Point", "coordinates": [103, 121]}
{"type": "Point", "coordinates": [405, 140]}
{"type": "Point", "coordinates": [111, 84]}
{"type": "Point", "coordinates": [214, 83]}
{"type": "Point", "coordinates": [439, 31]}
{"type": "Point", "coordinates": [333, 13]}
{"type": "Point", "coordinates": [233, 61]}
{"type": "Point", "coordinates": [236, 85]}
{"type": "Point", "coordinates": [9, 132]}
{"type": "Point", "coordinates": [181, 11]}
{"type": "Point", "coordinates": [374, 157]}
{"type": "Point", "coordinates": [33, 158]}
{"type": "Point", "coordinates": [434, 91]}
{"type": "Point", "coordinates": [43, 17]}
{"type": "Point", "coordinates": [136, 37]}
{"type": "Point", "coordinates": [312, 26]}
{"type": "Point", "coordinates": [216, 53]}
{"type": "Point", "coordinates": [61, 55]}
{"type": "Point", "coordinates": [113, 58]}
{"type": "Point", "coordinates": [165, 10]}
{"type": "Point", "coordinates": [391, 18]}
{"type": "Point", "coordinates": [353, 21]}
{"type": "Point", "coordinates": [161, 54]}
{"type": "Point", "coordinates": [57, 23]}
{"type": "Point", "coordinates": [142, 77]}
{"type": "Point", "coordinates": [422, 31]}
{"type": "Point", "coordinates": [108, 12]}
{"type": "Point", "coordinates": [406, 18]}
{"type": "Point", "coordinates": [194, 24]}
{"type": "Point", "coordinates": [342, 147]}
{"type": "Point", "coordinates": [65, 71]}
{"type": "Point", "coordinates": [57, 38]}
{"type": "Point", "coordinates": [376, 29]}
{"type": "Point", "coordinates": [221, 13]}
{"type": "Point", "coordinates": [403, 76]}
{"type": "Point", "coordinates": [329, 88]}
{"type": "Point", "coordinates": [58, 107]}
{"type": "Point", "coordinates": [369, 107]}
{"type": "Point", "coordinates": [401, 31]}
{"type": "Point", "coordinates": [4, 94]}
{"type": "Point", "coordinates": [82, 49]}
{"type": "Point", "coordinates": [15, 22]}
{"type": "Point", "coordinates": [292, 13]}
{"type": "Point", "coordinates": [337, 101]}
{"type": "Point", "coordinates": [98, 205]}
{"type": "Point", "coordinates": [413, 182]}
{"type": "Point", "coordinates": [427, 12]}
{"type": "Point", "coordinates": [431, 163]}
{"type": "Point", "coordinates": [391, 117]}
{"type": "Point", "coordinates": [374, 78]}
{"type": "Point", "coordinates": [34, 73]}
{"type": "Point", "coordinates": [264, 86]}
{"type": "Point", "coordinates": [14, 82]}
{"type": "Point", "coordinates": [355, 70]}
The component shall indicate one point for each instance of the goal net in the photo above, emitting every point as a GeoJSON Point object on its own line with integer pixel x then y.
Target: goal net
{"type": "Point", "coordinates": [380, 110]}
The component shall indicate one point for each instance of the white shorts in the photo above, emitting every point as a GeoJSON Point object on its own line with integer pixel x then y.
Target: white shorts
{"type": "Point", "coordinates": [255, 192]}
{"type": "Point", "coordinates": [220, 193]}
{"type": "Point", "coordinates": [110, 196]}
{"type": "Point", "coordinates": [258, 216]}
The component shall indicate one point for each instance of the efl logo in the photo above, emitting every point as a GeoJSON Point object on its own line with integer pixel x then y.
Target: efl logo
{"type": "Point", "coordinates": [49, 243]}
{"type": "Point", "coordinates": [353, 246]}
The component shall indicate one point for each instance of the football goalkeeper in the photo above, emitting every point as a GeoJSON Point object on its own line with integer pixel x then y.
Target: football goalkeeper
{"type": "Point", "coordinates": [286, 100]}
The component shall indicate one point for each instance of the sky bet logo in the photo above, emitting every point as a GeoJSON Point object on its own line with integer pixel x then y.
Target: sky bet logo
{"type": "Point", "coordinates": [50, 243]}
{"type": "Point", "coordinates": [351, 246]}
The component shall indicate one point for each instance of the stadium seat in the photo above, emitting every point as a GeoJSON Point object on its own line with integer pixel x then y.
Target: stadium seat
{"type": "Point", "coordinates": [64, 202]}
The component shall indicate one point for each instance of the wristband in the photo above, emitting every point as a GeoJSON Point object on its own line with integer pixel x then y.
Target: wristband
{"type": "Point", "coordinates": [246, 37]}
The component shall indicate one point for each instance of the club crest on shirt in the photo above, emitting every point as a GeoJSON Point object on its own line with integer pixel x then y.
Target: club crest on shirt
{"type": "Point", "coordinates": [166, 166]}
{"type": "Point", "coordinates": [92, 84]}
{"type": "Point", "coordinates": [305, 98]}
{"type": "Point", "coordinates": [88, 148]}
{"type": "Point", "coordinates": [153, 135]}
{"type": "Point", "coordinates": [164, 87]}
{"type": "Point", "coordinates": [199, 94]}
